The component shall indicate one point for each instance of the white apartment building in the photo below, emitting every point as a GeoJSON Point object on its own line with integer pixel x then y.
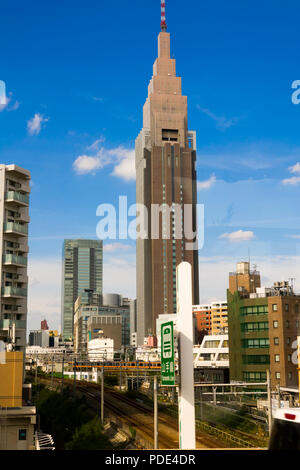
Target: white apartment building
{"type": "Point", "coordinates": [14, 220]}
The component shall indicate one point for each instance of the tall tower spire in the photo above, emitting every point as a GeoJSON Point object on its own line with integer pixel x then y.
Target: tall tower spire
{"type": "Point", "coordinates": [165, 181]}
{"type": "Point", "coordinates": [163, 24]}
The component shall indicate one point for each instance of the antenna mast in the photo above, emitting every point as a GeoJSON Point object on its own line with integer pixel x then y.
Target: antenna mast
{"type": "Point", "coordinates": [163, 24]}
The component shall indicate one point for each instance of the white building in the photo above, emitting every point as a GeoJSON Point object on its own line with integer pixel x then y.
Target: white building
{"type": "Point", "coordinates": [101, 349]}
{"type": "Point", "coordinates": [147, 354]}
{"type": "Point", "coordinates": [212, 352]}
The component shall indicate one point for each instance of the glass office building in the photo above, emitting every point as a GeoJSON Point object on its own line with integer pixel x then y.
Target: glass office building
{"type": "Point", "coordinates": [82, 271]}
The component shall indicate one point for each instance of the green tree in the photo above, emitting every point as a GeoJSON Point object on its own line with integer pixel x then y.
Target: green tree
{"type": "Point", "coordinates": [89, 437]}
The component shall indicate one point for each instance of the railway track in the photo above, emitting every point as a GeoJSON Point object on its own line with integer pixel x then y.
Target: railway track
{"type": "Point", "coordinates": [139, 416]}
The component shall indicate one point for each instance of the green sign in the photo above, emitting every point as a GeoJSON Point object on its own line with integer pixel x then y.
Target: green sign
{"type": "Point", "coordinates": [167, 354]}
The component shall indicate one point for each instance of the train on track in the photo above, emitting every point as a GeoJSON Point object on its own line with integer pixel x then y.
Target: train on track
{"type": "Point", "coordinates": [117, 365]}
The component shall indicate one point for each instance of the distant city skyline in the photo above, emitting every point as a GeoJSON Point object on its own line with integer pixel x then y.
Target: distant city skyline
{"type": "Point", "coordinates": [71, 119]}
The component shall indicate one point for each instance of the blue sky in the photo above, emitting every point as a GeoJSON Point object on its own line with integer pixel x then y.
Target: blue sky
{"type": "Point", "coordinates": [76, 77]}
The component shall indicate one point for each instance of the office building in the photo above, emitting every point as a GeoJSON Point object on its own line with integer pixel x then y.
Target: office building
{"type": "Point", "coordinates": [165, 182]}
{"type": "Point", "coordinates": [105, 326]}
{"type": "Point", "coordinates": [82, 271]}
{"type": "Point", "coordinates": [263, 328]}
{"type": "Point", "coordinates": [14, 220]}
{"type": "Point", "coordinates": [106, 306]}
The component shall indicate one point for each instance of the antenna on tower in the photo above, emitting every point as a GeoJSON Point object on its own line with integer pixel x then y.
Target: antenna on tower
{"type": "Point", "coordinates": [163, 24]}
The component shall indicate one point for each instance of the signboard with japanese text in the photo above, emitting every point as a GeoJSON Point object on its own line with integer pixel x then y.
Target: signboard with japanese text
{"type": "Point", "coordinates": [167, 354]}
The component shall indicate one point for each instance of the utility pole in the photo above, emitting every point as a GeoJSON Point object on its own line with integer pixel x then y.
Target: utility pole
{"type": "Point", "coordinates": [120, 376]}
{"type": "Point", "coordinates": [52, 374]}
{"type": "Point", "coordinates": [36, 369]}
{"type": "Point", "coordinates": [278, 391]}
{"type": "Point", "coordinates": [62, 373]}
{"type": "Point", "coordinates": [269, 401]}
{"type": "Point", "coordinates": [102, 395]}
{"type": "Point", "coordinates": [74, 387]}
{"type": "Point", "coordinates": [155, 413]}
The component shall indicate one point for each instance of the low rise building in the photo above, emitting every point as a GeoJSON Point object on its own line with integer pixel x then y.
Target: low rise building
{"type": "Point", "coordinates": [100, 349]}
{"type": "Point", "coordinates": [17, 420]}
{"type": "Point", "coordinates": [263, 330]}
{"type": "Point", "coordinates": [212, 317]}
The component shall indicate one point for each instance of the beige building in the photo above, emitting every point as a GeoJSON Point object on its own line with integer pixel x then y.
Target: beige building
{"type": "Point", "coordinates": [106, 326]}
{"type": "Point", "coordinates": [14, 219]}
{"type": "Point", "coordinates": [165, 184]}
{"type": "Point", "coordinates": [17, 422]}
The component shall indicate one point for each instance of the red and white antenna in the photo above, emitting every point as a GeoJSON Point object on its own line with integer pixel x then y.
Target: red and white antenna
{"type": "Point", "coordinates": [163, 24]}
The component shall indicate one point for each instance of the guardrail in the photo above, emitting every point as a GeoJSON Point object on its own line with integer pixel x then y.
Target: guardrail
{"type": "Point", "coordinates": [223, 434]}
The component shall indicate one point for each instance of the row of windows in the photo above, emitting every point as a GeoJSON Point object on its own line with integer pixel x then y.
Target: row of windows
{"type": "Point", "coordinates": [256, 343]}
{"type": "Point", "coordinates": [254, 310]}
{"type": "Point", "coordinates": [286, 308]}
{"type": "Point", "coordinates": [255, 326]}
{"type": "Point", "coordinates": [254, 376]}
{"type": "Point", "coordinates": [256, 359]}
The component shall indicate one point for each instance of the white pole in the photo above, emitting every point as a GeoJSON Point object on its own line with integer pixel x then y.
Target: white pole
{"type": "Point", "coordinates": [186, 399]}
{"type": "Point", "coordinates": [155, 414]}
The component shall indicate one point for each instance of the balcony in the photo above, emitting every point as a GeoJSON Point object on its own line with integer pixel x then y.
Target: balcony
{"type": "Point", "coordinates": [15, 196]}
{"type": "Point", "coordinates": [14, 227]}
{"type": "Point", "coordinates": [6, 324]}
{"type": "Point", "coordinates": [14, 260]}
{"type": "Point", "coordinates": [13, 292]}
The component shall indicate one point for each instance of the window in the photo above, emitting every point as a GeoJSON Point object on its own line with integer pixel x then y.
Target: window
{"type": "Point", "coordinates": [254, 376]}
{"type": "Point", "coordinates": [287, 324]}
{"type": "Point", "coordinates": [275, 324]}
{"type": "Point", "coordinates": [256, 359]}
{"type": "Point", "coordinates": [296, 308]}
{"type": "Point", "coordinates": [289, 358]}
{"type": "Point", "coordinates": [22, 434]}
{"type": "Point", "coordinates": [274, 307]}
{"type": "Point", "coordinates": [286, 307]}
{"type": "Point", "coordinates": [288, 341]}
{"type": "Point", "coordinates": [277, 358]}
{"type": "Point", "coordinates": [276, 340]}
{"type": "Point", "coordinates": [256, 343]}
{"type": "Point", "coordinates": [290, 375]}
{"type": "Point", "coordinates": [277, 375]}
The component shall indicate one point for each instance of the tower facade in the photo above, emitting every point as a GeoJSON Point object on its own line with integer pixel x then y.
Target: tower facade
{"type": "Point", "coordinates": [82, 272]}
{"type": "Point", "coordinates": [166, 185]}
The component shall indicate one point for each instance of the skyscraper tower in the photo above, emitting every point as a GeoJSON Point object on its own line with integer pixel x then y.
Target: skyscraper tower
{"type": "Point", "coordinates": [82, 273]}
{"type": "Point", "coordinates": [165, 176]}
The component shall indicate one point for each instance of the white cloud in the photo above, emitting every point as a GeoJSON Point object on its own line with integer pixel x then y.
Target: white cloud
{"type": "Point", "coordinates": [295, 168]}
{"type": "Point", "coordinates": [206, 184]}
{"type": "Point", "coordinates": [112, 247]}
{"type": "Point", "coordinates": [85, 164]}
{"type": "Point", "coordinates": [34, 125]}
{"type": "Point", "coordinates": [276, 268]}
{"type": "Point", "coordinates": [126, 168]}
{"type": "Point", "coordinates": [9, 105]}
{"type": "Point", "coordinates": [238, 236]}
{"type": "Point", "coordinates": [222, 122]}
{"type": "Point", "coordinates": [122, 158]}
{"type": "Point", "coordinates": [294, 181]}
